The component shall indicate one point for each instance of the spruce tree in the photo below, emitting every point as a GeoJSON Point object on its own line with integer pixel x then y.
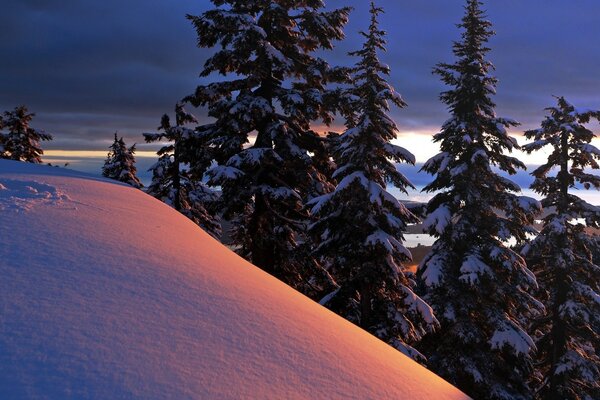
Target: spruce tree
{"type": "Point", "coordinates": [21, 142]}
{"type": "Point", "coordinates": [568, 335]}
{"type": "Point", "coordinates": [120, 163]}
{"type": "Point", "coordinates": [277, 87]}
{"type": "Point", "coordinates": [172, 182]}
{"type": "Point", "coordinates": [479, 288]}
{"type": "Point", "coordinates": [360, 225]}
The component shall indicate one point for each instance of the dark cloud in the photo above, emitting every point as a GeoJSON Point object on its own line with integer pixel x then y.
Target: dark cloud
{"type": "Point", "coordinates": [88, 68]}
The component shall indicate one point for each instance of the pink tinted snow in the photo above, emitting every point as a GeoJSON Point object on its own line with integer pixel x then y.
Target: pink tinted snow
{"type": "Point", "coordinates": [107, 293]}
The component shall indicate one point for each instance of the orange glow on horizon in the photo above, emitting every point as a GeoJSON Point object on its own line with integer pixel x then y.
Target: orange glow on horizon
{"type": "Point", "coordinates": [92, 153]}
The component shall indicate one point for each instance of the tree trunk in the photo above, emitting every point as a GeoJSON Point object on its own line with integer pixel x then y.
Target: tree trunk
{"type": "Point", "coordinates": [561, 286]}
{"type": "Point", "coordinates": [365, 306]}
{"type": "Point", "coordinates": [175, 176]}
{"type": "Point", "coordinates": [260, 230]}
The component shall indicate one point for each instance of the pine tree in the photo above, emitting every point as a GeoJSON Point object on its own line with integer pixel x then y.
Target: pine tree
{"type": "Point", "coordinates": [21, 142]}
{"type": "Point", "coordinates": [561, 257]}
{"type": "Point", "coordinates": [479, 288]}
{"type": "Point", "coordinates": [175, 185]}
{"type": "Point", "coordinates": [277, 87]}
{"type": "Point", "coordinates": [120, 164]}
{"type": "Point", "coordinates": [360, 225]}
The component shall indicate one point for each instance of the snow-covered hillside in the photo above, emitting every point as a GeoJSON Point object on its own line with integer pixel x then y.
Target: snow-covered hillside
{"type": "Point", "coordinates": [106, 293]}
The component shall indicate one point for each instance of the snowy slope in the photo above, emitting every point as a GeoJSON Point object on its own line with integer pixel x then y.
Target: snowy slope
{"type": "Point", "coordinates": [106, 293]}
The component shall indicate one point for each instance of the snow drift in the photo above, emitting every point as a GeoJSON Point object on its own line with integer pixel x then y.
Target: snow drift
{"type": "Point", "coordinates": [107, 293]}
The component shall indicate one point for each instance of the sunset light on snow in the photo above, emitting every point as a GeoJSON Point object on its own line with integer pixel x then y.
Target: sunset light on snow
{"type": "Point", "coordinates": [291, 199]}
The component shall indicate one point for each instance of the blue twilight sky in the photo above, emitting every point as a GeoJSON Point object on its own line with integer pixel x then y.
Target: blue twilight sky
{"type": "Point", "coordinates": [89, 68]}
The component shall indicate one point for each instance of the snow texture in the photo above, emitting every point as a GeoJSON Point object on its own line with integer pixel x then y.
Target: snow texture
{"type": "Point", "coordinates": [515, 338]}
{"type": "Point", "coordinates": [119, 296]}
{"type": "Point", "coordinates": [18, 195]}
{"type": "Point", "coordinates": [438, 219]}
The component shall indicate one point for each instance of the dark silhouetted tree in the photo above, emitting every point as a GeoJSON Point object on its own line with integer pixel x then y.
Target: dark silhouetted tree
{"type": "Point", "coordinates": [20, 141]}
{"type": "Point", "coordinates": [120, 164]}
{"type": "Point", "coordinates": [172, 182]}
{"type": "Point", "coordinates": [277, 88]}
{"type": "Point", "coordinates": [568, 335]}
{"type": "Point", "coordinates": [479, 288]}
{"type": "Point", "coordinates": [360, 225]}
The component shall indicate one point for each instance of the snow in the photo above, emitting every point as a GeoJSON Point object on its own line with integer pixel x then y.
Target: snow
{"type": "Point", "coordinates": [529, 204]}
{"type": "Point", "coordinates": [277, 55]}
{"type": "Point", "coordinates": [513, 337]}
{"type": "Point", "coordinates": [433, 272]}
{"type": "Point", "coordinates": [377, 194]}
{"type": "Point", "coordinates": [588, 148]}
{"type": "Point", "coordinates": [278, 192]}
{"type": "Point", "coordinates": [400, 153]}
{"type": "Point", "coordinates": [318, 203]}
{"type": "Point", "coordinates": [472, 268]}
{"type": "Point", "coordinates": [438, 220]}
{"type": "Point", "coordinates": [587, 291]}
{"type": "Point", "coordinates": [442, 159]}
{"type": "Point", "coordinates": [419, 305]}
{"type": "Point", "coordinates": [479, 154]}
{"type": "Point", "coordinates": [219, 173]}
{"type": "Point", "coordinates": [459, 170]}
{"type": "Point", "coordinates": [252, 157]}
{"type": "Point", "coordinates": [389, 242]}
{"type": "Point", "coordinates": [294, 97]}
{"type": "Point", "coordinates": [17, 195]}
{"type": "Point", "coordinates": [328, 297]}
{"type": "Point", "coordinates": [108, 293]}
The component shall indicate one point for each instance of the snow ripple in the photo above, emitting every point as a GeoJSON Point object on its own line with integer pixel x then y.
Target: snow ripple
{"type": "Point", "coordinates": [22, 196]}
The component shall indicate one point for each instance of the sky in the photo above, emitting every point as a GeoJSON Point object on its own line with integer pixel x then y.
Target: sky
{"type": "Point", "coordinates": [90, 68]}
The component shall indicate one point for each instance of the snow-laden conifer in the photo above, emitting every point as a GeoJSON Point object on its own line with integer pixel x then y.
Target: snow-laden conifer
{"type": "Point", "coordinates": [18, 140]}
{"type": "Point", "coordinates": [172, 181]}
{"type": "Point", "coordinates": [360, 225]}
{"type": "Point", "coordinates": [120, 163]}
{"type": "Point", "coordinates": [479, 288]}
{"type": "Point", "coordinates": [275, 87]}
{"type": "Point", "coordinates": [561, 256]}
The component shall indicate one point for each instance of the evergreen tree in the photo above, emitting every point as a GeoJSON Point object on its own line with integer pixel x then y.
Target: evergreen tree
{"type": "Point", "coordinates": [479, 288]}
{"type": "Point", "coordinates": [21, 142]}
{"type": "Point", "coordinates": [277, 87]}
{"type": "Point", "coordinates": [561, 257]}
{"type": "Point", "coordinates": [120, 164]}
{"type": "Point", "coordinates": [175, 185]}
{"type": "Point", "coordinates": [360, 225]}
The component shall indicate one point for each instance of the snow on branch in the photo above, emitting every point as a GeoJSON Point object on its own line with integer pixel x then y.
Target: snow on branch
{"type": "Point", "coordinates": [512, 336]}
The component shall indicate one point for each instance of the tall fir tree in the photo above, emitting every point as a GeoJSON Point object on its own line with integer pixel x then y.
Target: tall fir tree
{"type": "Point", "coordinates": [172, 182]}
{"type": "Point", "coordinates": [360, 225]}
{"type": "Point", "coordinates": [479, 288]}
{"type": "Point", "coordinates": [21, 142]}
{"type": "Point", "coordinates": [568, 335]}
{"type": "Point", "coordinates": [277, 88]}
{"type": "Point", "coordinates": [120, 163]}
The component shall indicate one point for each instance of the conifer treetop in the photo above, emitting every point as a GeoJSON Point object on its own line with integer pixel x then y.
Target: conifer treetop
{"type": "Point", "coordinates": [479, 288]}
{"type": "Point", "coordinates": [474, 138]}
{"type": "Point", "coordinates": [366, 146]}
{"type": "Point", "coordinates": [21, 142]}
{"type": "Point", "coordinates": [360, 225]}
{"type": "Point", "coordinates": [263, 43]}
{"type": "Point", "coordinates": [174, 181]}
{"type": "Point", "coordinates": [172, 133]}
{"type": "Point", "coordinates": [274, 87]}
{"type": "Point", "coordinates": [562, 255]}
{"type": "Point", "coordinates": [565, 124]}
{"type": "Point", "coordinates": [120, 163]}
